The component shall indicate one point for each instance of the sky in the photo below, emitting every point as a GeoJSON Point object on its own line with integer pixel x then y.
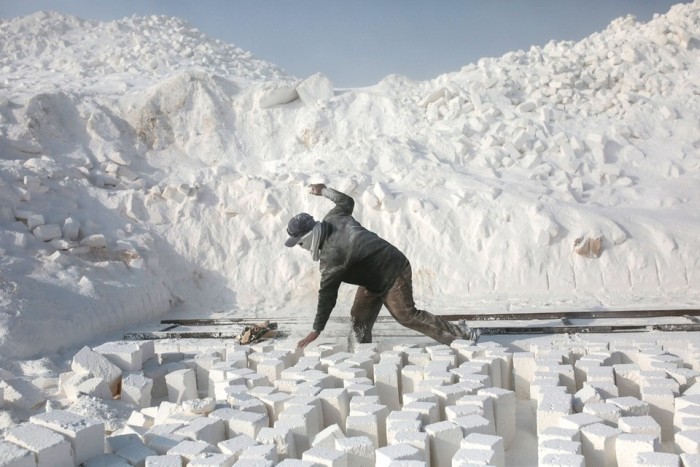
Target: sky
{"type": "Point", "coordinates": [359, 42]}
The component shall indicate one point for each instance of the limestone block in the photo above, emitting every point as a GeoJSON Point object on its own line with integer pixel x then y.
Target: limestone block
{"type": "Point", "coordinates": [126, 355]}
{"type": "Point", "coordinates": [488, 443]}
{"type": "Point", "coordinates": [429, 411]}
{"type": "Point", "coordinates": [136, 389]}
{"type": "Point", "coordinates": [239, 423]}
{"type": "Point", "coordinates": [211, 459]}
{"type": "Point", "coordinates": [85, 435]}
{"type": "Point", "coordinates": [328, 457]}
{"type": "Point", "coordinates": [390, 455]}
{"type": "Point", "coordinates": [282, 438]}
{"type": "Point", "coordinates": [236, 445]}
{"type": "Point", "coordinates": [260, 454]}
{"type": "Point", "coordinates": [609, 413]}
{"type": "Point", "coordinates": [569, 460]}
{"type": "Point", "coordinates": [336, 406]}
{"type": "Point", "coordinates": [12, 455]}
{"type": "Point", "coordinates": [364, 425]}
{"type": "Point", "coordinates": [402, 421]}
{"type": "Point", "coordinates": [504, 405]}
{"type": "Point", "coordinates": [314, 89]}
{"type": "Point", "coordinates": [445, 438]}
{"type": "Point", "coordinates": [628, 445]}
{"type": "Point", "coordinates": [688, 441]}
{"type": "Point", "coordinates": [49, 448]}
{"type": "Point", "coordinates": [359, 449]}
{"type": "Point", "coordinates": [523, 373]}
{"type": "Point", "coordinates": [420, 440]}
{"type": "Point", "coordinates": [209, 429]}
{"type": "Point", "coordinates": [47, 232]}
{"type": "Point", "coordinates": [386, 379]}
{"type": "Point", "coordinates": [598, 443]}
{"type": "Point", "coordinates": [557, 446]}
{"type": "Point", "coordinates": [71, 229]}
{"type": "Point", "coordinates": [326, 438]}
{"type": "Point", "coordinates": [189, 450]}
{"type": "Point", "coordinates": [662, 405]}
{"type": "Point", "coordinates": [182, 385]}
{"type": "Point", "coordinates": [553, 407]}
{"type": "Point", "coordinates": [657, 459]}
{"type": "Point", "coordinates": [86, 361]}
{"type": "Point", "coordinates": [18, 393]}
{"type": "Point", "coordinates": [630, 406]}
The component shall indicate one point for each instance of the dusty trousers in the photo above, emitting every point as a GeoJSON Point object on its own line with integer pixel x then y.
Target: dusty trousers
{"type": "Point", "coordinates": [399, 301]}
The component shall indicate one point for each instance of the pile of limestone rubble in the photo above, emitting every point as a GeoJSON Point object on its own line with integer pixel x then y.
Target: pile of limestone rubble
{"type": "Point", "coordinates": [211, 403]}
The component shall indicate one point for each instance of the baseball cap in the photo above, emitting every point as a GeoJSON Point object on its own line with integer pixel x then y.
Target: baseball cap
{"type": "Point", "coordinates": [298, 226]}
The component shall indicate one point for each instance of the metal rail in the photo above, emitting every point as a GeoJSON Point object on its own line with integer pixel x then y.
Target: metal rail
{"type": "Point", "coordinates": [537, 323]}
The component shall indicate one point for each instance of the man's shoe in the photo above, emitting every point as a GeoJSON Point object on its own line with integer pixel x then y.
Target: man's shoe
{"type": "Point", "coordinates": [470, 334]}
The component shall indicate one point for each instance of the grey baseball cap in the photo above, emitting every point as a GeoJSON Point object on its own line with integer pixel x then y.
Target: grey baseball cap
{"type": "Point", "coordinates": [298, 226]}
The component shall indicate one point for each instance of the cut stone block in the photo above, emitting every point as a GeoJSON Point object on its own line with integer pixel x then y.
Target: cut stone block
{"type": "Point", "coordinates": [126, 355]}
{"type": "Point", "coordinates": [557, 446]}
{"type": "Point", "coordinates": [260, 453]}
{"type": "Point", "coordinates": [553, 407]}
{"type": "Point", "coordinates": [627, 379]}
{"type": "Point", "coordinates": [359, 449]}
{"type": "Point", "coordinates": [429, 411]}
{"type": "Point", "coordinates": [598, 444]}
{"type": "Point", "coordinates": [661, 406]}
{"type": "Point", "coordinates": [445, 438]}
{"type": "Point", "coordinates": [688, 441]}
{"type": "Point", "coordinates": [236, 445]}
{"type": "Point", "coordinates": [12, 455]}
{"type": "Point", "coordinates": [475, 424]}
{"type": "Point", "coordinates": [557, 432]}
{"type": "Point", "coordinates": [609, 413]}
{"type": "Point", "coordinates": [86, 436]}
{"type": "Point", "coordinates": [108, 460]}
{"type": "Point", "coordinates": [468, 457]}
{"type": "Point", "coordinates": [578, 420]}
{"type": "Point", "coordinates": [628, 445]}
{"type": "Point", "coordinates": [523, 373]}
{"type": "Point", "coordinates": [211, 430]}
{"type": "Point", "coordinates": [326, 457]}
{"type": "Point", "coordinates": [49, 448]}
{"type": "Point", "coordinates": [390, 455]}
{"type": "Point", "coordinates": [18, 393]}
{"type": "Point", "coordinates": [182, 385]}
{"type": "Point", "coordinates": [336, 406]}
{"type": "Point", "coordinates": [559, 460]}
{"type": "Point", "coordinates": [386, 379]}
{"type": "Point", "coordinates": [420, 440]}
{"type": "Point", "coordinates": [136, 389]}
{"type": "Point", "coordinates": [188, 450]}
{"type": "Point", "coordinates": [326, 438]}
{"type": "Point", "coordinates": [86, 361]}
{"type": "Point", "coordinates": [282, 438]}
{"type": "Point", "coordinates": [210, 459]}
{"type": "Point", "coordinates": [488, 443]}
{"type": "Point", "coordinates": [364, 425]}
{"type": "Point", "coordinates": [238, 422]}
{"type": "Point", "coordinates": [504, 413]}
{"type": "Point", "coordinates": [657, 459]}
{"type": "Point", "coordinates": [630, 406]}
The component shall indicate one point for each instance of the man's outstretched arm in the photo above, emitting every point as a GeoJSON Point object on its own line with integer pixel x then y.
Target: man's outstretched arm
{"type": "Point", "coordinates": [343, 203]}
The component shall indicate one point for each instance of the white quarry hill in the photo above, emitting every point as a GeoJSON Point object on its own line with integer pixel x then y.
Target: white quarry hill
{"type": "Point", "coordinates": [146, 167]}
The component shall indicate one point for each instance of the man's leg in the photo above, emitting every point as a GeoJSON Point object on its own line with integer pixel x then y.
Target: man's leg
{"type": "Point", "coordinates": [399, 301]}
{"type": "Point", "coordinates": [364, 313]}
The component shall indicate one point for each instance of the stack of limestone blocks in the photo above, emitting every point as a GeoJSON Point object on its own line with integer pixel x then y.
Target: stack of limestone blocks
{"type": "Point", "coordinates": [599, 400]}
{"type": "Point", "coordinates": [210, 402]}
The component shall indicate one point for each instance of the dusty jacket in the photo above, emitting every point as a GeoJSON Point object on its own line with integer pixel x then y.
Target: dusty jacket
{"type": "Point", "coordinates": [352, 254]}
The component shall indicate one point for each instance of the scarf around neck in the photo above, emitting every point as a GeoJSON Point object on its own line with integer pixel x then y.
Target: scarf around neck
{"type": "Point", "coordinates": [312, 240]}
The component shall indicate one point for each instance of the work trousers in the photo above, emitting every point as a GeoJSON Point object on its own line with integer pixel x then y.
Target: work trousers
{"type": "Point", "coordinates": [399, 301]}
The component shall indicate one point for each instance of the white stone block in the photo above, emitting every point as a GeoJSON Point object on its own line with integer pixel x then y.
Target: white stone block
{"type": "Point", "coordinates": [47, 232]}
{"type": "Point", "coordinates": [585, 396]}
{"type": "Point", "coordinates": [336, 406]}
{"type": "Point", "coordinates": [557, 432]}
{"type": "Point", "coordinates": [475, 424]}
{"type": "Point", "coordinates": [315, 89]}
{"type": "Point", "coordinates": [420, 440]}
{"type": "Point", "coordinates": [661, 406]}
{"type": "Point", "coordinates": [609, 413]}
{"type": "Point", "coordinates": [136, 389]}
{"type": "Point", "coordinates": [469, 457]}
{"type": "Point", "coordinates": [391, 455]}
{"type": "Point", "coordinates": [34, 221]}
{"type": "Point", "coordinates": [12, 455]}
{"type": "Point", "coordinates": [280, 437]}
{"type": "Point", "coordinates": [598, 444]}
{"type": "Point", "coordinates": [134, 452]}
{"type": "Point", "coordinates": [688, 441]}
{"type": "Point", "coordinates": [504, 405]}
{"type": "Point", "coordinates": [456, 411]}
{"type": "Point", "coordinates": [359, 449]}
{"type": "Point", "coordinates": [628, 445]}
{"type": "Point", "coordinates": [488, 443]}
{"type": "Point", "coordinates": [627, 379]}
{"type": "Point", "coordinates": [85, 435]}
{"type": "Point", "coordinates": [402, 421]}
{"type": "Point", "coordinates": [523, 373]}
{"type": "Point", "coordinates": [211, 430]}
{"type": "Point", "coordinates": [326, 457]}
{"type": "Point", "coordinates": [364, 425]}
{"type": "Point", "coordinates": [429, 411]}
{"type": "Point", "coordinates": [71, 229]}
{"type": "Point", "coordinates": [553, 407]}
{"type": "Point", "coordinates": [127, 355]}
{"type": "Point", "coordinates": [386, 379]}
{"type": "Point", "coordinates": [108, 460]}
{"type": "Point", "coordinates": [236, 445]}
{"type": "Point", "coordinates": [326, 438]}
{"type": "Point", "coordinates": [445, 438]}
{"type": "Point", "coordinates": [210, 459]}
{"type": "Point", "coordinates": [260, 454]}
{"type": "Point", "coordinates": [189, 450]}
{"type": "Point", "coordinates": [657, 459]}
{"type": "Point", "coordinates": [557, 446]}
{"type": "Point", "coordinates": [182, 385]}
{"type": "Point", "coordinates": [86, 361]}
{"type": "Point", "coordinates": [560, 460]}
{"type": "Point", "coordinates": [411, 375]}
{"type": "Point", "coordinates": [630, 406]}
{"type": "Point", "coordinates": [49, 448]}
{"type": "Point", "coordinates": [241, 423]}
{"type": "Point", "coordinates": [18, 393]}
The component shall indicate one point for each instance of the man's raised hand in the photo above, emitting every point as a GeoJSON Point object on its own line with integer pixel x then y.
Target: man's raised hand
{"type": "Point", "coordinates": [316, 188]}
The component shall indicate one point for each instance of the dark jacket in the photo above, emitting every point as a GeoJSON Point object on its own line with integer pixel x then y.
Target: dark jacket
{"type": "Point", "coordinates": [352, 254]}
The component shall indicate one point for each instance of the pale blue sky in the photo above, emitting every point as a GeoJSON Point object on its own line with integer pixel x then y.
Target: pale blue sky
{"type": "Point", "coordinates": [358, 42]}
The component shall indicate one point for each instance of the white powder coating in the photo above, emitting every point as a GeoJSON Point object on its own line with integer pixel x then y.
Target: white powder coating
{"type": "Point", "coordinates": [86, 435]}
{"type": "Point", "coordinates": [11, 454]}
{"type": "Point", "coordinates": [50, 448]}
